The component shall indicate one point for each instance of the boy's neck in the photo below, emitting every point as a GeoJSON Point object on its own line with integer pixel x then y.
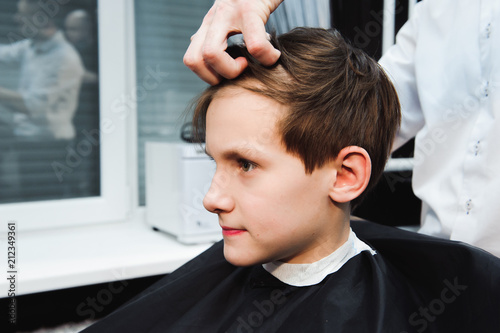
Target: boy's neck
{"type": "Point", "coordinates": [327, 243]}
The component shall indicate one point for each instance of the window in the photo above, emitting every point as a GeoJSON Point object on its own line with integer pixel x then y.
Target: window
{"type": "Point", "coordinates": [63, 149]}
{"type": "Point", "coordinates": [142, 87]}
{"type": "Point", "coordinates": [49, 102]}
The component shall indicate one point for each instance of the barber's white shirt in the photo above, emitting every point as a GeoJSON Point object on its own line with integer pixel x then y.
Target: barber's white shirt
{"type": "Point", "coordinates": [51, 74]}
{"type": "Point", "coordinates": [446, 68]}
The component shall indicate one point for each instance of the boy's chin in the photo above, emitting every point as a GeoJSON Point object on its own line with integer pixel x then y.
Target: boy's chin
{"type": "Point", "coordinates": [239, 257]}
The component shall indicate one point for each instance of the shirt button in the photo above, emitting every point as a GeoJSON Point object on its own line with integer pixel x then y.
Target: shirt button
{"type": "Point", "coordinates": [477, 148]}
{"type": "Point", "coordinates": [468, 206]}
{"type": "Point", "coordinates": [488, 30]}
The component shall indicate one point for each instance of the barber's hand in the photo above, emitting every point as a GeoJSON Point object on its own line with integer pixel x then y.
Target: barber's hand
{"type": "Point", "coordinates": [206, 55]}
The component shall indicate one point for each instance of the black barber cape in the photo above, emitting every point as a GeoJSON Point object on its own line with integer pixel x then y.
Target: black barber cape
{"type": "Point", "coordinates": [414, 283]}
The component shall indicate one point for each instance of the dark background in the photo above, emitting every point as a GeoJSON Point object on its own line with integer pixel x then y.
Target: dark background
{"type": "Point", "coordinates": [392, 201]}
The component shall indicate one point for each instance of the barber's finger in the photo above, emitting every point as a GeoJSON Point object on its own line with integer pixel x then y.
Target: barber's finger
{"type": "Point", "coordinates": [194, 61]}
{"type": "Point", "coordinates": [257, 42]}
{"type": "Point", "coordinates": [193, 58]}
{"type": "Point", "coordinates": [214, 49]}
{"type": "Point", "coordinates": [221, 62]}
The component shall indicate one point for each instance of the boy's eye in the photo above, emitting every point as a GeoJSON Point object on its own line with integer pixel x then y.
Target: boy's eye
{"type": "Point", "coordinates": [246, 166]}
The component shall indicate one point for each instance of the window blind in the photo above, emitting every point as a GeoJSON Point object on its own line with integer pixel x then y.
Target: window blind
{"type": "Point", "coordinates": [165, 86]}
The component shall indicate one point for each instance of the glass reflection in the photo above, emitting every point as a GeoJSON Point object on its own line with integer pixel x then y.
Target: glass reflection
{"type": "Point", "coordinates": [49, 100]}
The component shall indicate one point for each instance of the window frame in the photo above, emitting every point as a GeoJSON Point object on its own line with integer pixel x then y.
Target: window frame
{"type": "Point", "coordinates": [117, 149]}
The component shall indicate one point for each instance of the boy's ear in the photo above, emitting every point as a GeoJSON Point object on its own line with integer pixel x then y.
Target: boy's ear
{"type": "Point", "coordinates": [353, 166]}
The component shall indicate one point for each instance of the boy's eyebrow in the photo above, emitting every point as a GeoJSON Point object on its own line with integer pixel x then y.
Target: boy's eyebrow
{"type": "Point", "coordinates": [238, 152]}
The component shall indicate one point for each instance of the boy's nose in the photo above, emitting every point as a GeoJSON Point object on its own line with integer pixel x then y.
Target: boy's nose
{"type": "Point", "coordinates": [218, 198]}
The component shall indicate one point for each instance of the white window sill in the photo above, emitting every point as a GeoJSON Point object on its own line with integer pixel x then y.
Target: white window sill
{"type": "Point", "coordinates": [78, 256]}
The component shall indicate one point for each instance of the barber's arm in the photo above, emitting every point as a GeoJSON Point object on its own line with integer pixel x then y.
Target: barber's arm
{"type": "Point", "coordinates": [13, 100]}
{"type": "Point", "coordinates": [206, 55]}
{"type": "Point", "coordinates": [399, 63]}
{"type": "Point", "coordinates": [11, 54]}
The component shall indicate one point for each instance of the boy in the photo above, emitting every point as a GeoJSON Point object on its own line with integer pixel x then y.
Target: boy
{"type": "Point", "coordinates": [296, 146]}
{"type": "Point", "coordinates": [297, 149]}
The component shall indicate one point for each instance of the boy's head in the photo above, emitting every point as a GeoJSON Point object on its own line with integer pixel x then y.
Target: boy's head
{"type": "Point", "coordinates": [295, 145]}
{"type": "Point", "coordinates": [336, 95]}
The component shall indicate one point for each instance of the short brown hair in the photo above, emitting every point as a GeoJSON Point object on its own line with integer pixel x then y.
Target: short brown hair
{"type": "Point", "coordinates": [337, 96]}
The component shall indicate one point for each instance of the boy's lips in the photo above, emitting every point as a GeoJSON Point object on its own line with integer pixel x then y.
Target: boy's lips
{"type": "Point", "coordinates": [226, 231]}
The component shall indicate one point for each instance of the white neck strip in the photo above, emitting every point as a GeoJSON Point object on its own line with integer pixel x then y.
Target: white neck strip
{"type": "Point", "coordinates": [302, 275]}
